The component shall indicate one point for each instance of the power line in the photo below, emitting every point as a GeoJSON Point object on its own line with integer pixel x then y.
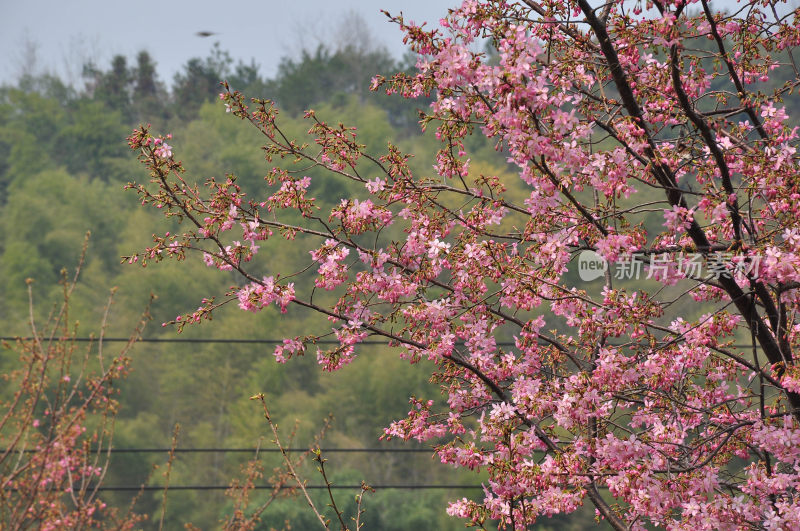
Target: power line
{"type": "Point", "coordinates": [187, 340]}
{"type": "Point", "coordinates": [272, 450]}
{"type": "Point", "coordinates": [243, 341]}
{"type": "Point", "coordinates": [233, 341]}
{"type": "Point", "coordinates": [282, 487]}
{"type": "Point", "coordinates": [246, 450]}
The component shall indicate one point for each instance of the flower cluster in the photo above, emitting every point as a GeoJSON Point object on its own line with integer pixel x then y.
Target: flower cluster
{"type": "Point", "coordinates": [261, 294]}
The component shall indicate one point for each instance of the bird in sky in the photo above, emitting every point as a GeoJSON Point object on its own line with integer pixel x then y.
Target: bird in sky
{"type": "Point", "coordinates": [205, 34]}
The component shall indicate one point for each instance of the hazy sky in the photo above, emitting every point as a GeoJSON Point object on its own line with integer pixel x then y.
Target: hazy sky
{"type": "Point", "coordinates": [70, 32]}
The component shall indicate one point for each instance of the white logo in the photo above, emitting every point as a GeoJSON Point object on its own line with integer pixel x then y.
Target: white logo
{"type": "Point", "coordinates": [591, 266]}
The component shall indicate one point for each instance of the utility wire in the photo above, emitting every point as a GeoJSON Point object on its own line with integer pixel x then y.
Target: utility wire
{"type": "Point", "coordinates": [270, 487]}
{"type": "Point", "coordinates": [212, 340]}
{"type": "Point", "coordinates": [245, 450]}
{"type": "Point", "coordinates": [236, 341]}
{"type": "Point", "coordinates": [239, 450]}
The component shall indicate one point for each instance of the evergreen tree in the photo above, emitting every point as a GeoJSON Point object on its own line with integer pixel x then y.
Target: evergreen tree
{"type": "Point", "coordinates": [199, 81]}
{"type": "Point", "coordinates": [149, 94]}
{"type": "Point", "coordinates": [112, 88]}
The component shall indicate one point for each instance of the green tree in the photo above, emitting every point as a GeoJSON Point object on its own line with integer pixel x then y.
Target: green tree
{"type": "Point", "coordinates": [92, 140]}
{"type": "Point", "coordinates": [149, 96]}
{"type": "Point", "coordinates": [114, 87]}
{"type": "Point", "coordinates": [199, 81]}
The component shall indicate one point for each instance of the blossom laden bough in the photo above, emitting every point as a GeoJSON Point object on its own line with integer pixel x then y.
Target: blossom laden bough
{"type": "Point", "coordinates": [637, 130]}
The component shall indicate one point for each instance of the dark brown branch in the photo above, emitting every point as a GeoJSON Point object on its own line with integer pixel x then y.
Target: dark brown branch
{"type": "Point", "coordinates": [664, 175]}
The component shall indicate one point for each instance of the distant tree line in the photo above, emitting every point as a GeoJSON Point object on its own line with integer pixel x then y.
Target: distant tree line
{"type": "Point", "coordinates": [135, 90]}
